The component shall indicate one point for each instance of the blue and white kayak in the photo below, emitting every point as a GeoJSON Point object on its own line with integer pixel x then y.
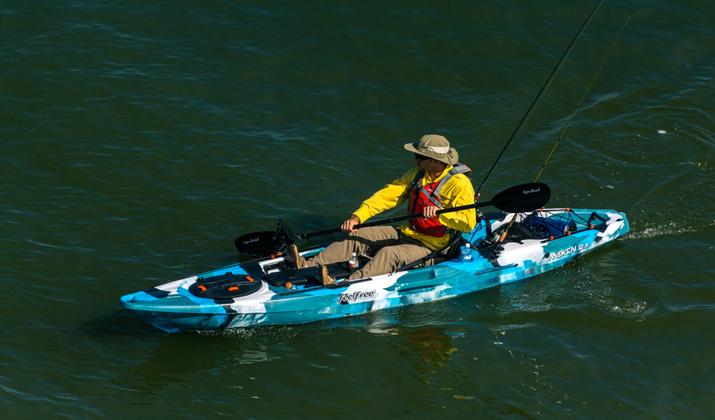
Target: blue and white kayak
{"type": "Point", "coordinates": [268, 292]}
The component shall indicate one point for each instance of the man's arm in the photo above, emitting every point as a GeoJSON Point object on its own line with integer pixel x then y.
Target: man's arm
{"type": "Point", "coordinates": [388, 197]}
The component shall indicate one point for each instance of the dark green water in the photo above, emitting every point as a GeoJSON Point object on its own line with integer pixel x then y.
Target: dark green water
{"type": "Point", "coordinates": [137, 139]}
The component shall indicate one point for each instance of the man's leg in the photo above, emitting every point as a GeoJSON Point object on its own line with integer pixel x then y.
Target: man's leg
{"type": "Point", "coordinates": [390, 258]}
{"type": "Point", "coordinates": [366, 241]}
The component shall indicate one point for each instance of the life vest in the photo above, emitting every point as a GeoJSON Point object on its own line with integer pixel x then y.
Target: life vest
{"type": "Point", "coordinates": [422, 196]}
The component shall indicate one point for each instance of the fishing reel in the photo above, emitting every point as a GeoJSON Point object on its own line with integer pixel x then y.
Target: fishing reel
{"type": "Point", "coordinates": [490, 248]}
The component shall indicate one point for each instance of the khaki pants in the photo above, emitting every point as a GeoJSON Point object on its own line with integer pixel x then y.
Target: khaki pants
{"type": "Point", "coordinates": [389, 248]}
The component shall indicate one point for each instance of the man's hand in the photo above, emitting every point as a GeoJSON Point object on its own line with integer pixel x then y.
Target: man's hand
{"type": "Point", "coordinates": [430, 211]}
{"type": "Point", "coordinates": [349, 224]}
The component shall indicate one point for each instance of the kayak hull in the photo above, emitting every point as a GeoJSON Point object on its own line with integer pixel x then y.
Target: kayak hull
{"type": "Point", "coordinates": [176, 306]}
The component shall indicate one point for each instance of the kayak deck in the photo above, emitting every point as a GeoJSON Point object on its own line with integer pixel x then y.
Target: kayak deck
{"type": "Point", "coordinates": [267, 292]}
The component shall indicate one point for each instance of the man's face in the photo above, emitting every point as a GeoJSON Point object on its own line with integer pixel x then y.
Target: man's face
{"type": "Point", "coordinates": [422, 162]}
{"type": "Point", "coordinates": [426, 164]}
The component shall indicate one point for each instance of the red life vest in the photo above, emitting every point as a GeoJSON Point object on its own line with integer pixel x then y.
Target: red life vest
{"type": "Point", "coordinates": [422, 196]}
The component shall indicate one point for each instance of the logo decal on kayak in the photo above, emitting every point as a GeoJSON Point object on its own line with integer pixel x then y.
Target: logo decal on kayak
{"type": "Point", "coordinates": [568, 251]}
{"type": "Point", "coordinates": [355, 297]}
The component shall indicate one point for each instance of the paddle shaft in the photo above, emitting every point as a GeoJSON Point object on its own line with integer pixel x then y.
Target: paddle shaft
{"type": "Point", "coordinates": [395, 219]}
{"type": "Point", "coordinates": [517, 199]}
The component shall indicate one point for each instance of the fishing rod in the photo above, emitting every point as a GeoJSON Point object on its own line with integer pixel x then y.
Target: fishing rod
{"type": "Point", "coordinates": [541, 92]}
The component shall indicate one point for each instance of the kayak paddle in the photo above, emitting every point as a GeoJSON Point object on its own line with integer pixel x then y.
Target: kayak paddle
{"type": "Point", "coordinates": [517, 199]}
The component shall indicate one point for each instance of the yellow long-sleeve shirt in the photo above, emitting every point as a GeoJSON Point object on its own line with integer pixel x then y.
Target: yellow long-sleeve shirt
{"type": "Point", "coordinates": [458, 191]}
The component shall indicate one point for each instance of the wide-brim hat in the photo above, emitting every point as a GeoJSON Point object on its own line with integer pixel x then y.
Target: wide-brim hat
{"type": "Point", "coordinates": [436, 147]}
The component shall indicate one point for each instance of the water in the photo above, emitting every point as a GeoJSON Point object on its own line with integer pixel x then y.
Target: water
{"type": "Point", "coordinates": [138, 139]}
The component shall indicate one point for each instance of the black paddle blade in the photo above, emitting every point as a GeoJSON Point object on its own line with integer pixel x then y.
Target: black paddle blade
{"type": "Point", "coordinates": [522, 198]}
{"type": "Point", "coordinates": [258, 244]}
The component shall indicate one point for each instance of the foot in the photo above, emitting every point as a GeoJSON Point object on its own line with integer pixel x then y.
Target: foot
{"type": "Point", "coordinates": [325, 277]}
{"type": "Point", "coordinates": [293, 255]}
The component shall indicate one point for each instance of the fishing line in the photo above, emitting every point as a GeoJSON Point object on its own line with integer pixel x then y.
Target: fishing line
{"type": "Point", "coordinates": [541, 92]}
{"type": "Point", "coordinates": [578, 105]}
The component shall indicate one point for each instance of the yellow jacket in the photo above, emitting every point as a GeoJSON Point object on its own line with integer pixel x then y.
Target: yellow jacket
{"type": "Point", "coordinates": [458, 191]}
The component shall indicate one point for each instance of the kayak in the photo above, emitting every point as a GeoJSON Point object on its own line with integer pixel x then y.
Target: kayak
{"type": "Point", "coordinates": [267, 291]}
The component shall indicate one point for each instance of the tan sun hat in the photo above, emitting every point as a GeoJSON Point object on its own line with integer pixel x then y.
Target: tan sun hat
{"type": "Point", "coordinates": [436, 147]}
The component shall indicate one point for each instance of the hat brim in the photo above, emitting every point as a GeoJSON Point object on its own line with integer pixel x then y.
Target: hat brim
{"type": "Point", "coordinates": [449, 158]}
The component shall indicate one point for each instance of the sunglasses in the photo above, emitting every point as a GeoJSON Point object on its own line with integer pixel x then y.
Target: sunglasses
{"type": "Point", "coordinates": [420, 157]}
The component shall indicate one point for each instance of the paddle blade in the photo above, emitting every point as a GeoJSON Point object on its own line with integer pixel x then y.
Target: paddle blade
{"type": "Point", "coordinates": [522, 198]}
{"type": "Point", "coordinates": [258, 243]}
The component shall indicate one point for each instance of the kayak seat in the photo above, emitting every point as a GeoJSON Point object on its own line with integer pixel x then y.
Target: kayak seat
{"type": "Point", "coordinates": [451, 251]}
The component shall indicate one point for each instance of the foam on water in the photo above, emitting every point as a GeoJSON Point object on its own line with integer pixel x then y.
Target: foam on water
{"type": "Point", "coordinates": [671, 228]}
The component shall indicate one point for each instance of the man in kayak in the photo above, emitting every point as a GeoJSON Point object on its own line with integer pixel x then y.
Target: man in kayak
{"type": "Point", "coordinates": [437, 182]}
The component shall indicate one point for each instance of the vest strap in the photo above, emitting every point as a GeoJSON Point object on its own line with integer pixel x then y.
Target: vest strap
{"type": "Point", "coordinates": [433, 197]}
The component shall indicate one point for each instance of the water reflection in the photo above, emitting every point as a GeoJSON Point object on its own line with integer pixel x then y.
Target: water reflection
{"type": "Point", "coordinates": [432, 346]}
{"type": "Point", "coordinates": [176, 359]}
{"type": "Point", "coordinates": [179, 358]}
{"type": "Point", "coordinates": [164, 360]}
